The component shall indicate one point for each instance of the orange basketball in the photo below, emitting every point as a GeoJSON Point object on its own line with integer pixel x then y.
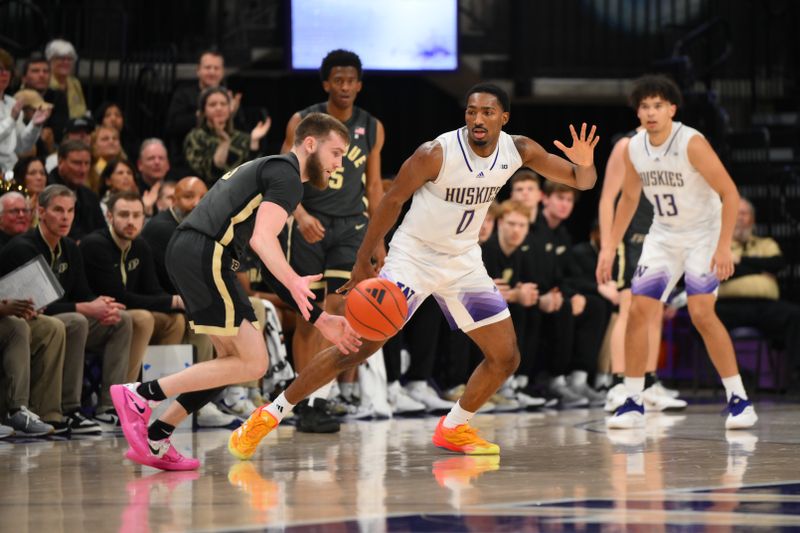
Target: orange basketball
{"type": "Point", "coordinates": [376, 309]}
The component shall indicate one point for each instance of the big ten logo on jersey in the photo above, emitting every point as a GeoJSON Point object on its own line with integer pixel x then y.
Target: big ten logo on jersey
{"type": "Point", "coordinates": [407, 291]}
{"type": "Point", "coordinates": [357, 157]}
{"type": "Point", "coordinates": [230, 173]}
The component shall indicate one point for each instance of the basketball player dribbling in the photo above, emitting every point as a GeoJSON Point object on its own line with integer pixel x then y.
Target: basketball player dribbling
{"type": "Point", "coordinates": [435, 252]}
{"type": "Point", "coordinates": [695, 203]}
{"type": "Point", "coordinates": [247, 206]}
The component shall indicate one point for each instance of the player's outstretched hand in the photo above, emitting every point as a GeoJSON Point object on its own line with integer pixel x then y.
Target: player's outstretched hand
{"type": "Point", "coordinates": [605, 260]}
{"type": "Point", "coordinates": [361, 270]}
{"type": "Point", "coordinates": [722, 263]}
{"type": "Point", "coordinates": [582, 150]}
{"type": "Point", "coordinates": [301, 291]}
{"type": "Point", "coordinates": [338, 331]}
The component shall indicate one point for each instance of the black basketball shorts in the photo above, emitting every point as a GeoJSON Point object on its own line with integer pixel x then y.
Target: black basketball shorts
{"type": "Point", "coordinates": [333, 256]}
{"type": "Point", "coordinates": [204, 272]}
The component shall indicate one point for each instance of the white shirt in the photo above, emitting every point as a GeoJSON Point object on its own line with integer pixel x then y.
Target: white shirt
{"type": "Point", "coordinates": [447, 213]}
{"type": "Point", "coordinates": [682, 199]}
{"type": "Point", "coordinates": [15, 136]}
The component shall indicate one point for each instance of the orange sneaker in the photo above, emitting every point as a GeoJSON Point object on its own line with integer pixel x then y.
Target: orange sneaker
{"type": "Point", "coordinates": [243, 442]}
{"type": "Point", "coordinates": [463, 439]}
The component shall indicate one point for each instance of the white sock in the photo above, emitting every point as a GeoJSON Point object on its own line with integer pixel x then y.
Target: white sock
{"type": "Point", "coordinates": [457, 416]}
{"type": "Point", "coordinates": [280, 407]}
{"type": "Point", "coordinates": [321, 392]}
{"type": "Point", "coordinates": [734, 385]}
{"type": "Point", "coordinates": [635, 386]}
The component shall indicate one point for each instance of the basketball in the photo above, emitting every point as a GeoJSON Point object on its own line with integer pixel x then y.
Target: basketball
{"type": "Point", "coordinates": [376, 309]}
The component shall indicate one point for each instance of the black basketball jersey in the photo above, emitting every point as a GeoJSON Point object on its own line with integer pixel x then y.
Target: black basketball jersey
{"type": "Point", "coordinates": [346, 187]}
{"type": "Point", "coordinates": [643, 216]}
{"type": "Point", "coordinates": [227, 213]}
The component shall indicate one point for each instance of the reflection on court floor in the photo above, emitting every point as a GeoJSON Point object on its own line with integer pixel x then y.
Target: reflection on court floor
{"type": "Point", "coordinates": [557, 471]}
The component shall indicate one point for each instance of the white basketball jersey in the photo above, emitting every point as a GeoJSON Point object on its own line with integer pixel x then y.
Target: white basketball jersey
{"type": "Point", "coordinates": [682, 199]}
{"type": "Point", "coordinates": [447, 213]}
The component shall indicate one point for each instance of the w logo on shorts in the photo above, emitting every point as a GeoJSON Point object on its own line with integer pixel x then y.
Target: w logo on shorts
{"type": "Point", "coordinates": [378, 294]}
{"type": "Point", "coordinates": [640, 270]}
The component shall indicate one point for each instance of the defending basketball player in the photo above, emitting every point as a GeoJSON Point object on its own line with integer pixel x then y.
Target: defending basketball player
{"type": "Point", "coordinates": [453, 180]}
{"type": "Point", "coordinates": [695, 204]}
{"type": "Point", "coordinates": [247, 206]}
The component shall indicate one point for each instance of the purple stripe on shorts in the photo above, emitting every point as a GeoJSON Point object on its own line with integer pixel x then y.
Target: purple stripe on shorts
{"type": "Point", "coordinates": [446, 312]}
{"type": "Point", "coordinates": [701, 283]}
{"type": "Point", "coordinates": [652, 283]}
{"type": "Point", "coordinates": [482, 305]}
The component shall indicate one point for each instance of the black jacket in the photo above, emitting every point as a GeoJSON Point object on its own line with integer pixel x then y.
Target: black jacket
{"type": "Point", "coordinates": [128, 276]}
{"type": "Point", "coordinates": [65, 262]}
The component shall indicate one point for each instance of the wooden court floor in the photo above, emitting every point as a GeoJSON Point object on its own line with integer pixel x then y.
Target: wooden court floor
{"type": "Point", "coordinates": [558, 471]}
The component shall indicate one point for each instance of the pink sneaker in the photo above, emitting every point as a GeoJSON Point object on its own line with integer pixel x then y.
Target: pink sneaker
{"type": "Point", "coordinates": [134, 415]}
{"type": "Point", "coordinates": [170, 460]}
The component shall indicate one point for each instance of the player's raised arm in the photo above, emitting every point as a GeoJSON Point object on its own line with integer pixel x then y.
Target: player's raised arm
{"type": "Point", "coordinates": [423, 166]}
{"type": "Point", "coordinates": [578, 172]}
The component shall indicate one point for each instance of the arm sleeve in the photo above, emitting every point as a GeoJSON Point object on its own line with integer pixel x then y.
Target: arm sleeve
{"type": "Point", "coordinates": [27, 136]}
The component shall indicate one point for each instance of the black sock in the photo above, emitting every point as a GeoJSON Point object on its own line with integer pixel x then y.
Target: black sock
{"type": "Point", "coordinates": [151, 391]}
{"type": "Point", "coordinates": [195, 400]}
{"type": "Point", "coordinates": [650, 379]}
{"type": "Point", "coordinates": [617, 379]}
{"type": "Point", "coordinates": [159, 430]}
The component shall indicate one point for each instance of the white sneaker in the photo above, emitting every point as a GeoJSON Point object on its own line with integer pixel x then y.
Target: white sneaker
{"type": "Point", "coordinates": [359, 412]}
{"type": "Point", "coordinates": [615, 397]}
{"type": "Point", "coordinates": [422, 392]}
{"type": "Point", "coordinates": [592, 396]}
{"type": "Point", "coordinates": [526, 400]}
{"type": "Point", "coordinates": [672, 393]}
{"type": "Point", "coordinates": [401, 402]}
{"type": "Point", "coordinates": [741, 414]}
{"type": "Point", "coordinates": [209, 416]}
{"type": "Point", "coordinates": [236, 401]}
{"type": "Point", "coordinates": [628, 416]}
{"type": "Point", "coordinates": [655, 400]}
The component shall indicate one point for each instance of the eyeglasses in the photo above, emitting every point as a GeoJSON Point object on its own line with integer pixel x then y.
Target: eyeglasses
{"type": "Point", "coordinates": [18, 211]}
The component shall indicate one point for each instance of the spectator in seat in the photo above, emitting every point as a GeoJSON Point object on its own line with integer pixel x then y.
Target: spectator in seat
{"type": "Point", "coordinates": [30, 176]}
{"type": "Point", "coordinates": [77, 129]}
{"type": "Point", "coordinates": [74, 160]}
{"type": "Point", "coordinates": [105, 147]}
{"type": "Point", "coordinates": [97, 323]}
{"type": "Point", "coordinates": [32, 370]}
{"type": "Point", "coordinates": [751, 297]}
{"type": "Point", "coordinates": [118, 176]}
{"type": "Point", "coordinates": [16, 137]}
{"type": "Point", "coordinates": [36, 75]}
{"type": "Point", "coordinates": [62, 57]}
{"type": "Point", "coordinates": [153, 165]}
{"type": "Point", "coordinates": [182, 112]}
{"type": "Point", "coordinates": [110, 115]}
{"type": "Point", "coordinates": [214, 147]}
{"type": "Point", "coordinates": [119, 263]}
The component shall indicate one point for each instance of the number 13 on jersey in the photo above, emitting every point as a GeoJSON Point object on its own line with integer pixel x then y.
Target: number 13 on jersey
{"type": "Point", "coordinates": [665, 205]}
